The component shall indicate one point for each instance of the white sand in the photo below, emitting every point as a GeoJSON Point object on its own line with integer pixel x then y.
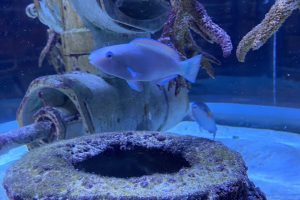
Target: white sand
{"type": "Point", "coordinates": [273, 157]}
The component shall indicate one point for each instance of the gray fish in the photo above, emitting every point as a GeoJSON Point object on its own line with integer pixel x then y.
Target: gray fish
{"type": "Point", "coordinates": [202, 115]}
{"type": "Point", "coordinates": [144, 60]}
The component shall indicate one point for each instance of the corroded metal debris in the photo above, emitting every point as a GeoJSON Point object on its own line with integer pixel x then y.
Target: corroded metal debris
{"type": "Point", "coordinates": [80, 103]}
{"type": "Point", "coordinates": [24, 135]}
{"type": "Point", "coordinates": [208, 169]}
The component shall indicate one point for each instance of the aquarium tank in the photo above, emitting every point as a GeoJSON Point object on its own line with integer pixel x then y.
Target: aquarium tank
{"type": "Point", "coordinates": [150, 99]}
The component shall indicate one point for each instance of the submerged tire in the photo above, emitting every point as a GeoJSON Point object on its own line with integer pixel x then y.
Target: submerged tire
{"type": "Point", "coordinates": [131, 165]}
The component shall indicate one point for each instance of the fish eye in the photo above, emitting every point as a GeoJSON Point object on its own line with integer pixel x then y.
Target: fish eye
{"type": "Point", "coordinates": [109, 54]}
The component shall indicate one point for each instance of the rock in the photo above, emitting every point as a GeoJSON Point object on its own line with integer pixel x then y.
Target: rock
{"type": "Point", "coordinates": [131, 166]}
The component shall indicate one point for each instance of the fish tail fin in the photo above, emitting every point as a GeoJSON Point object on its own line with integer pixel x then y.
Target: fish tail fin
{"type": "Point", "coordinates": [191, 67]}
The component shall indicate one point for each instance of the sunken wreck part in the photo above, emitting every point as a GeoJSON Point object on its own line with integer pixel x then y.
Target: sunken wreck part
{"type": "Point", "coordinates": [131, 165]}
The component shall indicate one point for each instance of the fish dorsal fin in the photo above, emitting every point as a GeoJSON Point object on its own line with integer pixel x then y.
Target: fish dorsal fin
{"type": "Point", "coordinates": [156, 46]}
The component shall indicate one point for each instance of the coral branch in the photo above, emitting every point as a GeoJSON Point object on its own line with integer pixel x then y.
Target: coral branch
{"type": "Point", "coordinates": [214, 32]}
{"type": "Point", "coordinates": [187, 15]}
{"type": "Point", "coordinates": [273, 20]}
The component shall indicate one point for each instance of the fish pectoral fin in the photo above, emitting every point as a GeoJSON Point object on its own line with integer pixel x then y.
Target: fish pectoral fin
{"type": "Point", "coordinates": [164, 81]}
{"type": "Point", "coordinates": [135, 85]}
{"type": "Point", "coordinates": [133, 73]}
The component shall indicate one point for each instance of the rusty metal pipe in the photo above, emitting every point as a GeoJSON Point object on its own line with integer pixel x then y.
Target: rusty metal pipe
{"type": "Point", "coordinates": [24, 135]}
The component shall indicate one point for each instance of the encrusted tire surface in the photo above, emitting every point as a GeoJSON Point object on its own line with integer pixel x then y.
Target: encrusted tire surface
{"type": "Point", "coordinates": [49, 172]}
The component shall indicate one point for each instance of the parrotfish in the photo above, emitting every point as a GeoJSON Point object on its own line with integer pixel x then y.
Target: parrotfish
{"type": "Point", "coordinates": [203, 116]}
{"type": "Point", "coordinates": [144, 60]}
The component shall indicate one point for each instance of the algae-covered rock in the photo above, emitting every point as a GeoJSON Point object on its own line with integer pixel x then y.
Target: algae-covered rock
{"type": "Point", "coordinates": [131, 165]}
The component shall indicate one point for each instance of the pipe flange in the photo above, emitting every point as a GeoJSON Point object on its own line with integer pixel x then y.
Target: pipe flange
{"type": "Point", "coordinates": [55, 116]}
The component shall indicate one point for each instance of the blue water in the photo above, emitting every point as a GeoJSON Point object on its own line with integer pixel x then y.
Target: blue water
{"type": "Point", "coordinates": [275, 69]}
{"type": "Point", "coordinates": [8, 159]}
{"type": "Point", "coordinates": [270, 76]}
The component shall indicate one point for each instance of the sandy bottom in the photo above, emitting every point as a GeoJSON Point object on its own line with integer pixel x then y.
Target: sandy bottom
{"type": "Point", "coordinates": [273, 157]}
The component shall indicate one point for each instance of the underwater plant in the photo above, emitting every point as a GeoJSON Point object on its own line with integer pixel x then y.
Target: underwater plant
{"type": "Point", "coordinates": [260, 34]}
{"type": "Point", "coordinates": [49, 13]}
{"type": "Point", "coordinates": [187, 16]}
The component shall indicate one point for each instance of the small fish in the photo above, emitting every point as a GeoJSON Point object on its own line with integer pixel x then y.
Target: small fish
{"type": "Point", "coordinates": [202, 115]}
{"type": "Point", "coordinates": [144, 60]}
